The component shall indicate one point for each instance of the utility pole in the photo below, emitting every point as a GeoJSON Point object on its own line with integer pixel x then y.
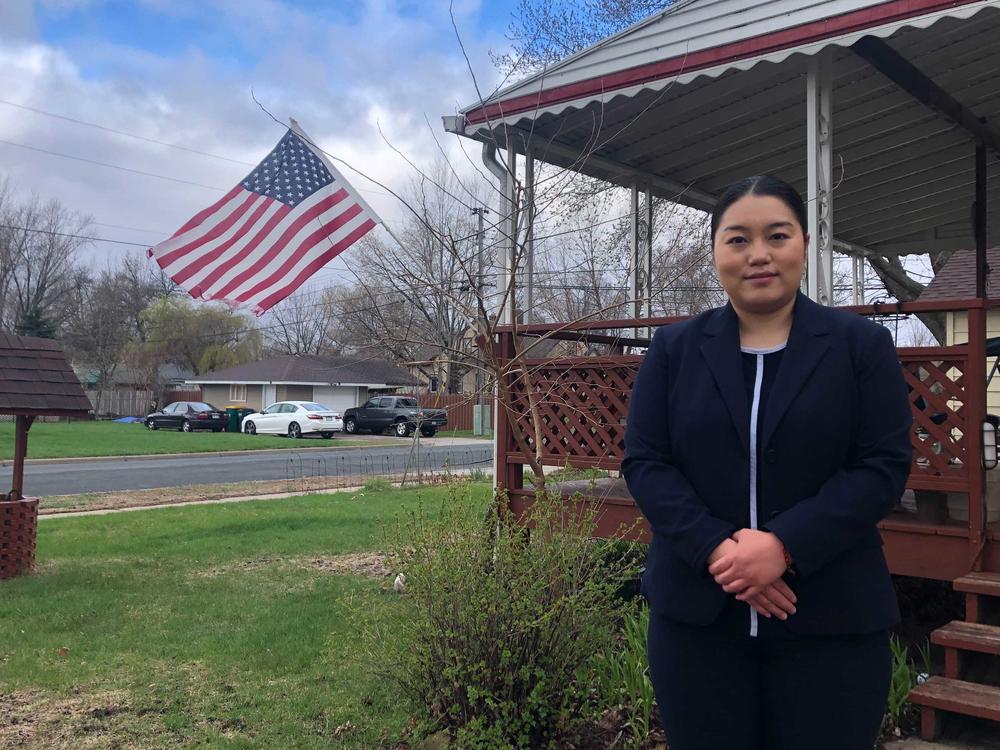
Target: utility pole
{"type": "Point", "coordinates": [480, 396]}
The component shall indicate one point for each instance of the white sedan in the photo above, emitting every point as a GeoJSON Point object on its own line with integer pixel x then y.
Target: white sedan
{"type": "Point", "coordinates": [295, 419]}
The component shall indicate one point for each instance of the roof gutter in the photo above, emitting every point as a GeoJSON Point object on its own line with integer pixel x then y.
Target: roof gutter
{"type": "Point", "coordinates": [490, 160]}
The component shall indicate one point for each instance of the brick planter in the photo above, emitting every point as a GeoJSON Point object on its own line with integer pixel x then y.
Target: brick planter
{"type": "Point", "coordinates": [18, 529]}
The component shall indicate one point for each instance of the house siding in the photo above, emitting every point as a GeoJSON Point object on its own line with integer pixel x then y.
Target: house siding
{"type": "Point", "coordinates": [218, 395]}
{"type": "Point", "coordinates": [957, 332]}
{"type": "Point", "coordinates": [295, 393]}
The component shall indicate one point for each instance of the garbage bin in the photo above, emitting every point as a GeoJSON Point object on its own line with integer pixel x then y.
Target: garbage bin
{"type": "Point", "coordinates": [235, 418]}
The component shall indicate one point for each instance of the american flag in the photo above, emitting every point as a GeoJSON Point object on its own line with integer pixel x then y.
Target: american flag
{"type": "Point", "coordinates": [289, 217]}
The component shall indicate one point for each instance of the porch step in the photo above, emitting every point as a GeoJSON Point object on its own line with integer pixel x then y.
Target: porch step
{"type": "Point", "coordinates": [968, 636]}
{"type": "Point", "coordinates": [977, 586]}
{"type": "Point", "coordinates": [985, 584]}
{"type": "Point", "coordinates": [953, 696]}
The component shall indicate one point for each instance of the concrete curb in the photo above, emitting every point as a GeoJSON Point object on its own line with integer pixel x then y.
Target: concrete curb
{"type": "Point", "coordinates": [7, 462]}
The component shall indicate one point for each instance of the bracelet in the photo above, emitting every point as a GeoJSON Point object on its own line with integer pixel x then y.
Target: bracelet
{"type": "Point", "coordinates": [788, 559]}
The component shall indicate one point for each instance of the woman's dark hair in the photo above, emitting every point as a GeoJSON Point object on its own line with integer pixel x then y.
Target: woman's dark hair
{"type": "Point", "coordinates": [761, 185]}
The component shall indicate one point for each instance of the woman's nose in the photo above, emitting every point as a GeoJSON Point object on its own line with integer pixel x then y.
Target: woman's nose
{"type": "Point", "coordinates": [759, 253]}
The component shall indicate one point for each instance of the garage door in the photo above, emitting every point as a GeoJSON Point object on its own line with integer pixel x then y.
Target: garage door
{"type": "Point", "coordinates": [337, 397]}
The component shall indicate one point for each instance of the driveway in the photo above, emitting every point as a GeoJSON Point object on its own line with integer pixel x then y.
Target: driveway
{"type": "Point", "coordinates": [147, 472]}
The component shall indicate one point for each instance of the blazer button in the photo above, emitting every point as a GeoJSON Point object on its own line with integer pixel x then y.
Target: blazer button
{"type": "Point", "coordinates": [771, 456]}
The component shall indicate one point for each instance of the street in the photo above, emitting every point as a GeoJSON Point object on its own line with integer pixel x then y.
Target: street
{"type": "Point", "coordinates": [105, 475]}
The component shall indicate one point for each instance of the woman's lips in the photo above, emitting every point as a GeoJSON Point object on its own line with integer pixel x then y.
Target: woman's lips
{"type": "Point", "coordinates": [761, 279]}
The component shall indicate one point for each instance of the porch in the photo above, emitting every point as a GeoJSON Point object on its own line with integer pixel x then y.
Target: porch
{"type": "Point", "coordinates": [583, 407]}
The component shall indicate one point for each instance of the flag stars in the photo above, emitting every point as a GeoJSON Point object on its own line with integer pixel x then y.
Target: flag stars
{"type": "Point", "coordinates": [290, 173]}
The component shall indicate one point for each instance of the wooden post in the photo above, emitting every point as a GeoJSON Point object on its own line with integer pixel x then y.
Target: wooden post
{"type": "Point", "coordinates": [980, 222]}
{"type": "Point", "coordinates": [975, 407]}
{"type": "Point", "coordinates": [501, 434]}
{"type": "Point", "coordinates": [21, 427]}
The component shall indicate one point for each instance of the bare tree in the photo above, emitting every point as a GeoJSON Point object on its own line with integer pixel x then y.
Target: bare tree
{"type": "Point", "coordinates": [304, 323]}
{"type": "Point", "coordinates": [99, 334]}
{"type": "Point", "coordinates": [41, 283]}
{"type": "Point", "coordinates": [415, 294]}
{"type": "Point", "coordinates": [543, 32]}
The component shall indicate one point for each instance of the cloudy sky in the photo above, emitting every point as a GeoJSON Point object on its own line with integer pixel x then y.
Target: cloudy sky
{"type": "Point", "coordinates": [181, 72]}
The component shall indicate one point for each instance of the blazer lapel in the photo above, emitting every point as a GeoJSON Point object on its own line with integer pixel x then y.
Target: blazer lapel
{"type": "Point", "coordinates": [721, 350]}
{"type": "Point", "coordinates": [807, 343]}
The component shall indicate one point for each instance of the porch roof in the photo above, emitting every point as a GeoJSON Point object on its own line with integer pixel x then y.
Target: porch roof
{"type": "Point", "coordinates": [709, 91]}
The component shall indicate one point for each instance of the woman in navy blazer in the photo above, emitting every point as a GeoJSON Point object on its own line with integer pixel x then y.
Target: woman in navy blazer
{"type": "Point", "coordinates": [765, 441]}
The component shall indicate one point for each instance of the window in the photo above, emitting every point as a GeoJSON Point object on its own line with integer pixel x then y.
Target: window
{"type": "Point", "coordinates": [237, 392]}
{"type": "Point", "coordinates": [407, 403]}
{"type": "Point", "coordinates": [273, 409]}
{"type": "Point", "coordinates": [315, 407]}
{"type": "Point", "coordinates": [287, 409]}
{"type": "Point", "coordinates": [173, 407]}
{"type": "Point", "coordinates": [372, 404]}
{"type": "Point", "coordinates": [434, 385]}
{"type": "Point", "coordinates": [385, 403]}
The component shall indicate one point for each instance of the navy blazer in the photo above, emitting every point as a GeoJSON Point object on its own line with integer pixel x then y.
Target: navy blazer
{"type": "Point", "coordinates": [835, 455]}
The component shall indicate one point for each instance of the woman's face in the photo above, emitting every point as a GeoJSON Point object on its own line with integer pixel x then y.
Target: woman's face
{"type": "Point", "coordinates": [760, 253]}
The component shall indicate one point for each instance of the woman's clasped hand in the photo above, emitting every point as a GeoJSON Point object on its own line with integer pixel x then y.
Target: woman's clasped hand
{"type": "Point", "coordinates": [750, 564]}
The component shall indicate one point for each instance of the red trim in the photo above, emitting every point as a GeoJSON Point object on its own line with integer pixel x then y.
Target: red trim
{"type": "Point", "coordinates": [895, 10]}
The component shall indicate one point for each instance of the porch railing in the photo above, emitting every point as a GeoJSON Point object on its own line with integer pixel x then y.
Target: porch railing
{"type": "Point", "coordinates": [582, 403]}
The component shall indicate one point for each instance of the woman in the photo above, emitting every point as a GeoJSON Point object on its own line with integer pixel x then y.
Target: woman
{"type": "Point", "coordinates": [765, 441]}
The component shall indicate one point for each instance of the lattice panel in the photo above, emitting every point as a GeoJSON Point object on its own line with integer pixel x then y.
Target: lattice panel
{"type": "Point", "coordinates": [18, 529]}
{"type": "Point", "coordinates": [582, 406]}
{"type": "Point", "coordinates": [937, 399]}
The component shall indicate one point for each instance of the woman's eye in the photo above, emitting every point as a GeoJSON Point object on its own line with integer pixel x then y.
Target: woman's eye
{"type": "Point", "coordinates": [736, 241]}
{"type": "Point", "coordinates": [779, 236]}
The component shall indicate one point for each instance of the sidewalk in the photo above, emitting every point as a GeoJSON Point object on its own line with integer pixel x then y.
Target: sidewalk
{"type": "Point", "coordinates": [355, 486]}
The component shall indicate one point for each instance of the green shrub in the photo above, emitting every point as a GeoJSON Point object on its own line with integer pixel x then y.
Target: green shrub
{"type": "Point", "coordinates": [621, 670]}
{"type": "Point", "coordinates": [504, 622]}
{"type": "Point", "coordinates": [904, 678]}
{"type": "Point", "coordinates": [377, 484]}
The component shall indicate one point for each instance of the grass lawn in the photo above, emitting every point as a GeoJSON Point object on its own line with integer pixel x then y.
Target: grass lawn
{"type": "Point", "coordinates": [225, 626]}
{"type": "Point", "coordinates": [73, 439]}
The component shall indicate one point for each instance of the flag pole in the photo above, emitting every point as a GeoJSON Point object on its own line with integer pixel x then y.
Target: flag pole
{"type": "Point", "coordinates": [294, 126]}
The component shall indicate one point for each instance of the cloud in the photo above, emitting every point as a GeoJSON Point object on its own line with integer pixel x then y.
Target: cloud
{"type": "Point", "coordinates": [342, 75]}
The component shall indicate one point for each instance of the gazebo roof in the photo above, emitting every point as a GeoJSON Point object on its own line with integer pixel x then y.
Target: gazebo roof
{"type": "Point", "coordinates": [36, 379]}
{"type": "Point", "coordinates": [709, 91]}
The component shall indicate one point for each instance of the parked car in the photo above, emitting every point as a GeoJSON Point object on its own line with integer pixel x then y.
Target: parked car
{"type": "Point", "coordinates": [187, 416]}
{"type": "Point", "coordinates": [295, 419]}
{"type": "Point", "coordinates": [401, 414]}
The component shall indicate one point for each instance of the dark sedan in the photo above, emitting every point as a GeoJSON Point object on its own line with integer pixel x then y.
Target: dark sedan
{"type": "Point", "coordinates": [188, 416]}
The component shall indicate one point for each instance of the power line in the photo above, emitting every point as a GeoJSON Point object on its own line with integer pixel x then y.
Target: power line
{"type": "Point", "coordinates": [112, 166]}
{"type": "Point", "coordinates": [131, 229]}
{"type": "Point", "coordinates": [178, 146]}
{"type": "Point", "coordinates": [74, 236]}
{"type": "Point", "coordinates": [122, 132]}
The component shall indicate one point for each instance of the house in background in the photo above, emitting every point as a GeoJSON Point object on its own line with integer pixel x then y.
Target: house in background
{"type": "Point", "coordinates": [957, 280]}
{"type": "Point", "coordinates": [127, 392]}
{"type": "Point", "coordinates": [337, 382]}
{"type": "Point", "coordinates": [437, 372]}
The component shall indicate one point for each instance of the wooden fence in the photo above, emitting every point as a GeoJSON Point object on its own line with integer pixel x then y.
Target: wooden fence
{"type": "Point", "coordinates": [458, 405]}
{"type": "Point", "coordinates": [120, 402]}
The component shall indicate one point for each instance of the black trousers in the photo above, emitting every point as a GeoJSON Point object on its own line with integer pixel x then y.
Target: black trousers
{"type": "Point", "coordinates": [722, 691]}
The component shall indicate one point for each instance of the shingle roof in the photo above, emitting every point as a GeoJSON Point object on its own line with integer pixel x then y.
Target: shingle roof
{"type": "Point", "coordinates": [312, 369]}
{"type": "Point", "coordinates": [957, 278]}
{"type": "Point", "coordinates": [36, 379]}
